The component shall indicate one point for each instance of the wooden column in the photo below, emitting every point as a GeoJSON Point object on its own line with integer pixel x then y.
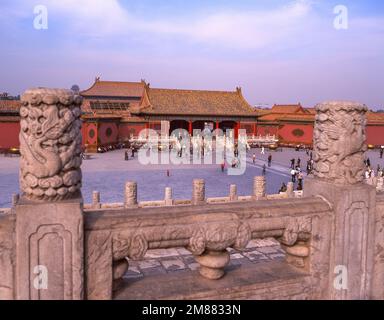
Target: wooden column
{"type": "Point", "coordinates": [190, 128]}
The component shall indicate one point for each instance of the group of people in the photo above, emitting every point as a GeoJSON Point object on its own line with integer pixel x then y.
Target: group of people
{"type": "Point", "coordinates": [370, 173]}
{"type": "Point", "coordinates": [126, 154]}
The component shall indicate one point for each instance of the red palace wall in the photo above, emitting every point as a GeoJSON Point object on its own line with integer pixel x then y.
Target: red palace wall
{"type": "Point", "coordinates": [126, 129]}
{"type": "Point", "coordinates": [9, 134]}
{"type": "Point", "coordinates": [108, 133]}
{"type": "Point", "coordinates": [250, 127]}
{"type": "Point", "coordinates": [375, 135]}
{"type": "Point", "coordinates": [264, 130]}
{"type": "Point", "coordinates": [287, 133]}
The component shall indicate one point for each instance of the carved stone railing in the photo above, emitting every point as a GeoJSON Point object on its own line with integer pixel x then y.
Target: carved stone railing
{"type": "Point", "coordinates": [301, 225]}
{"type": "Point", "coordinates": [198, 196]}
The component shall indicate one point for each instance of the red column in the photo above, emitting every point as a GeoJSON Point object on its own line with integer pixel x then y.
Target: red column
{"type": "Point", "coordinates": [237, 127]}
{"type": "Point", "coordinates": [190, 128]}
{"type": "Point", "coordinates": [254, 129]}
{"type": "Point", "coordinates": [217, 125]}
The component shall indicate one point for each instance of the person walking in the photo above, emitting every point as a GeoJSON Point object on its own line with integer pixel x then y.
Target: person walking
{"type": "Point", "coordinates": [299, 162]}
{"type": "Point", "coordinates": [293, 175]}
{"type": "Point", "coordinates": [269, 160]}
{"type": "Point", "coordinates": [223, 166]}
{"type": "Point", "coordinates": [309, 168]}
{"type": "Point", "coordinates": [254, 158]}
{"type": "Point", "coordinates": [368, 162]}
{"type": "Point", "coordinates": [126, 157]}
{"type": "Point", "coordinates": [262, 150]}
{"type": "Point", "coordinates": [293, 163]}
{"type": "Point", "coordinates": [264, 169]}
{"type": "Point", "coordinates": [300, 181]}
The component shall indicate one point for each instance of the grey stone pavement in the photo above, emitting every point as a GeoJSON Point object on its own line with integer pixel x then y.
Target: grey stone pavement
{"type": "Point", "coordinates": [107, 173]}
{"type": "Point", "coordinates": [163, 261]}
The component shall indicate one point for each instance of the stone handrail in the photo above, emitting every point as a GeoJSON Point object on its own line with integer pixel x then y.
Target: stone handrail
{"type": "Point", "coordinates": [301, 225]}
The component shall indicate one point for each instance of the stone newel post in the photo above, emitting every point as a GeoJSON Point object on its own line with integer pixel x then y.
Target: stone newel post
{"type": "Point", "coordinates": [339, 147]}
{"type": "Point", "coordinates": [49, 219]}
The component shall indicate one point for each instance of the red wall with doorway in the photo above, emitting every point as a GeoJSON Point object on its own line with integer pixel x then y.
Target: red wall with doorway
{"type": "Point", "coordinates": [9, 134]}
{"type": "Point", "coordinates": [108, 133]}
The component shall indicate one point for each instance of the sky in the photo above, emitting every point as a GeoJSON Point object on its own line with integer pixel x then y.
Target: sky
{"type": "Point", "coordinates": [278, 51]}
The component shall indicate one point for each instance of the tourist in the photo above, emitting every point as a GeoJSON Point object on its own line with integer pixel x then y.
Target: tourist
{"type": "Point", "coordinates": [381, 152]}
{"type": "Point", "coordinates": [368, 162]}
{"type": "Point", "coordinates": [310, 155]}
{"type": "Point", "coordinates": [293, 175]}
{"type": "Point", "coordinates": [293, 163]}
{"type": "Point", "coordinates": [168, 173]}
{"type": "Point", "coordinates": [262, 150]}
{"type": "Point", "coordinates": [283, 188]}
{"type": "Point", "coordinates": [235, 162]}
{"type": "Point", "coordinates": [264, 169]}
{"type": "Point", "coordinates": [133, 152]}
{"type": "Point", "coordinates": [300, 178]}
{"type": "Point", "coordinates": [269, 160]}
{"type": "Point", "coordinates": [222, 166]}
{"type": "Point", "coordinates": [299, 162]}
{"type": "Point", "coordinates": [254, 158]}
{"type": "Point", "coordinates": [126, 157]}
{"type": "Point", "coordinates": [309, 167]}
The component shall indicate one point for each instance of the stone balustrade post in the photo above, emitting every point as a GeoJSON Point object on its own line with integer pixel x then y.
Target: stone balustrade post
{"type": "Point", "coordinates": [168, 196]}
{"type": "Point", "coordinates": [338, 177]}
{"type": "Point", "coordinates": [233, 193]}
{"type": "Point", "coordinates": [15, 199]}
{"type": "Point", "coordinates": [290, 189]}
{"type": "Point", "coordinates": [130, 194]}
{"type": "Point", "coordinates": [198, 192]}
{"type": "Point", "coordinates": [380, 184]}
{"type": "Point", "coordinates": [96, 204]}
{"type": "Point", "coordinates": [49, 214]}
{"type": "Point", "coordinates": [259, 188]}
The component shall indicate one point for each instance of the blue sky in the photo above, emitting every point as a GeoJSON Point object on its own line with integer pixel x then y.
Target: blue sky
{"type": "Point", "coordinates": [277, 51]}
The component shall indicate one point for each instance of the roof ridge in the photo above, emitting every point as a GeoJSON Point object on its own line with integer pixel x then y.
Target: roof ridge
{"type": "Point", "coordinates": [193, 90]}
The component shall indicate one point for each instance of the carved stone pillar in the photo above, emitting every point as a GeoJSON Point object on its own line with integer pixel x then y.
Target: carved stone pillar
{"type": "Point", "coordinates": [49, 214]}
{"type": "Point", "coordinates": [339, 147]}
{"type": "Point", "coordinates": [290, 189]}
{"type": "Point", "coordinates": [131, 194]}
{"type": "Point", "coordinates": [233, 193]}
{"type": "Point", "coordinates": [96, 200]}
{"type": "Point", "coordinates": [168, 197]}
{"type": "Point", "coordinates": [259, 188]}
{"type": "Point", "coordinates": [198, 196]}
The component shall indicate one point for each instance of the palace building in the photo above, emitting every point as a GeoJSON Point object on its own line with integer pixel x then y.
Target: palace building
{"type": "Point", "coordinates": [113, 112]}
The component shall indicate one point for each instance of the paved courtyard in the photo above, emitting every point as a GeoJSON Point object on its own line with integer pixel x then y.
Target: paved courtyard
{"type": "Point", "coordinates": [107, 173]}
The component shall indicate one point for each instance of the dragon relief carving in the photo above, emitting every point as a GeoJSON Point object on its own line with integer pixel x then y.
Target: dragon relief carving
{"type": "Point", "coordinates": [50, 144]}
{"type": "Point", "coordinates": [133, 246]}
{"type": "Point", "coordinates": [339, 142]}
{"type": "Point", "coordinates": [219, 236]}
{"type": "Point", "coordinates": [294, 227]}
